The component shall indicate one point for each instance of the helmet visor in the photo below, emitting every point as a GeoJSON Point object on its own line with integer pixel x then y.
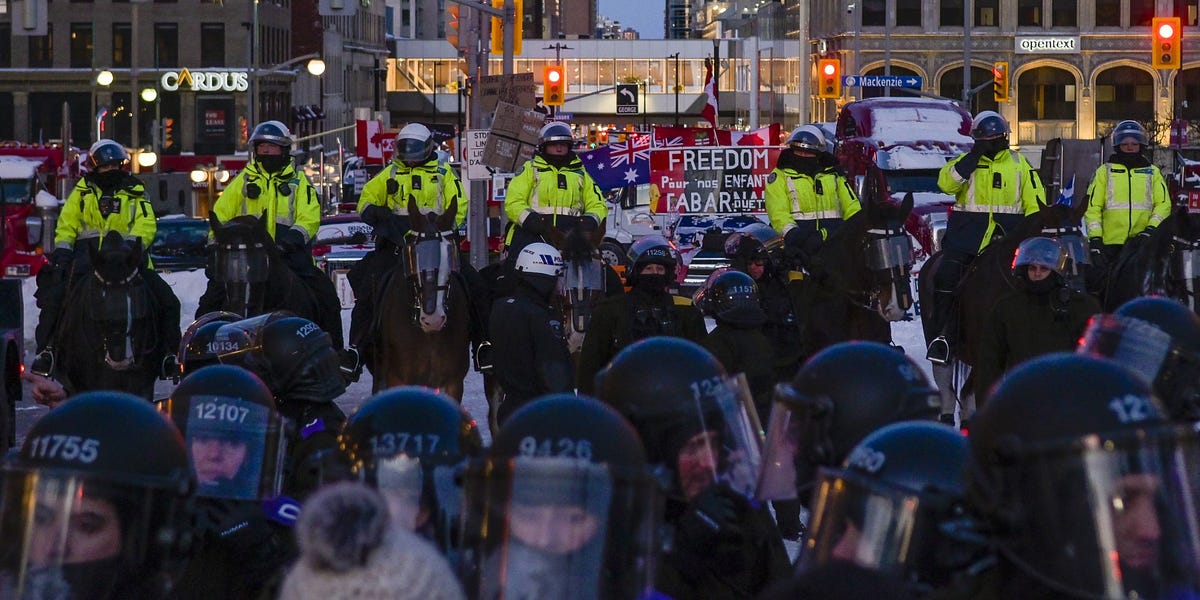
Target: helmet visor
{"type": "Point", "coordinates": [715, 439]}
{"type": "Point", "coordinates": [238, 263]}
{"type": "Point", "coordinates": [1138, 345]}
{"type": "Point", "coordinates": [778, 479]}
{"type": "Point", "coordinates": [1078, 252]}
{"type": "Point", "coordinates": [1111, 517]}
{"type": "Point", "coordinates": [411, 150]}
{"type": "Point", "coordinates": [234, 445]}
{"type": "Point", "coordinates": [872, 524]}
{"type": "Point", "coordinates": [554, 526]}
{"type": "Point", "coordinates": [67, 536]}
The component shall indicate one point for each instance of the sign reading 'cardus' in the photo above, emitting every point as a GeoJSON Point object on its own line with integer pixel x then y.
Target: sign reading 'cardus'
{"type": "Point", "coordinates": [206, 81]}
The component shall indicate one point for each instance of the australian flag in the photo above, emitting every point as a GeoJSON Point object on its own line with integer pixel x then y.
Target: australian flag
{"type": "Point", "coordinates": [619, 165]}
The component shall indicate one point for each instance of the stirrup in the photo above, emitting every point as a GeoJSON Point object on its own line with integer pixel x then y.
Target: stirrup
{"type": "Point", "coordinates": [171, 369]}
{"type": "Point", "coordinates": [939, 351]}
{"type": "Point", "coordinates": [483, 357]}
{"type": "Point", "coordinates": [43, 363]}
{"type": "Point", "coordinates": [350, 364]}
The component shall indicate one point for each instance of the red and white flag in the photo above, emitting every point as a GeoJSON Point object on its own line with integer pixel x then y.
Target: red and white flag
{"type": "Point", "coordinates": [710, 108]}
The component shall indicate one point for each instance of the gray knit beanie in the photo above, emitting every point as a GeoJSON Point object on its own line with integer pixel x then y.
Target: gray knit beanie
{"type": "Point", "coordinates": [350, 550]}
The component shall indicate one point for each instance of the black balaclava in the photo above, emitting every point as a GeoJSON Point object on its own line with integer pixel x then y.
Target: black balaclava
{"type": "Point", "coordinates": [651, 283]}
{"type": "Point", "coordinates": [1131, 160]}
{"type": "Point", "coordinates": [542, 285]}
{"type": "Point", "coordinates": [557, 162]}
{"type": "Point", "coordinates": [808, 165]}
{"type": "Point", "coordinates": [108, 181]}
{"type": "Point", "coordinates": [990, 148]}
{"type": "Point", "coordinates": [273, 163]}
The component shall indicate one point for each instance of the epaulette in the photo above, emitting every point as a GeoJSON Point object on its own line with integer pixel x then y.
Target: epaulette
{"type": "Point", "coordinates": [681, 301]}
{"type": "Point", "coordinates": [795, 276]}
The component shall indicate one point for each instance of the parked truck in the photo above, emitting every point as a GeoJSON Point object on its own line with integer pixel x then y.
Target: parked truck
{"type": "Point", "coordinates": [28, 211]}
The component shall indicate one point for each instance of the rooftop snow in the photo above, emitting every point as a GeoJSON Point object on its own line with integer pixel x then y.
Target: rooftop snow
{"type": "Point", "coordinates": [895, 124]}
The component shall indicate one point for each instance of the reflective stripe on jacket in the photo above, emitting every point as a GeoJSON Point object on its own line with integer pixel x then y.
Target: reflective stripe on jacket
{"type": "Point", "coordinates": [433, 185]}
{"type": "Point", "coordinates": [792, 196]}
{"type": "Point", "coordinates": [299, 209]}
{"type": "Point", "coordinates": [1123, 201]}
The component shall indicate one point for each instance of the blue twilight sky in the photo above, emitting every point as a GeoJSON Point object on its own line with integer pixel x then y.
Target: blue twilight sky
{"type": "Point", "coordinates": [646, 16]}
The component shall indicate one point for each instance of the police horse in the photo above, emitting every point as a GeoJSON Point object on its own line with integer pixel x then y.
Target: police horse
{"type": "Point", "coordinates": [251, 274]}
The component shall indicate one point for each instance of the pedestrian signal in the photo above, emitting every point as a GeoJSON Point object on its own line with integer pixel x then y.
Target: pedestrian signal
{"type": "Point", "coordinates": [1165, 32]}
{"type": "Point", "coordinates": [829, 78]}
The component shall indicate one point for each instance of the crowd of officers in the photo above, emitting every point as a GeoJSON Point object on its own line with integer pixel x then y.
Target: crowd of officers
{"type": "Point", "coordinates": [685, 459]}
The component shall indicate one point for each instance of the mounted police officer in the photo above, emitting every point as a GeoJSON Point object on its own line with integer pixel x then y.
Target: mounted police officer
{"type": "Point", "coordinates": [271, 184]}
{"type": "Point", "coordinates": [108, 198]}
{"type": "Point", "coordinates": [807, 196]}
{"type": "Point", "coordinates": [417, 174]}
{"type": "Point", "coordinates": [552, 191]}
{"type": "Point", "coordinates": [994, 188]}
{"type": "Point", "coordinates": [1128, 197]}
{"type": "Point", "coordinates": [649, 310]}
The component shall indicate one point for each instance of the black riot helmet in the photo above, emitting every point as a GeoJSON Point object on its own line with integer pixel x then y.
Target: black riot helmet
{"type": "Point", "coordinates": [1159, 339]}
{"type": "Point", "coordinates": [752, 242]}
{"type": "Point", "coordinates": [104, 467]}
{"type": "Point", "coordinates": [233, 432]}
{"type": "Point", "coordinates": [195, 349]}
{"type": "Point", "coordinates": [563, 506]}
{"type": "Point", "coordinates": [292, 355]}
{"type": "Point", "coordinates": [676, 394]}
{"type": "Point", "coordinates": [651, 249]}
{"type": "Point", "coordinates": [897, 489]}
{"type": "Point", "coordinates": [731, 297]}
{"type": "Point", "coordinates": [1075, 470]}
{"type": "Point", "coordinates": [409, 443]}
{"type": "Point", "coordinates": [989, 125]}
{"type": "Point", "coordinates": [839, 396]}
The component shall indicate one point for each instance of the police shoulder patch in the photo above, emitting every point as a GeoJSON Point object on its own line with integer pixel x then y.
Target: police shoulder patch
{"type": "Point", "coordinates": [771, 178]}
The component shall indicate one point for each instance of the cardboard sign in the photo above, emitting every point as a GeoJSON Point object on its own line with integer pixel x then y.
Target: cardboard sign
{"type": "Point", "coordinates": [710, 180]}
{"type": "Point", "coordinates": [513, 137]}
{"type": "Point", "coordinates": [514, 89]}
{"type": "Point", "coordinates": [474, 141]}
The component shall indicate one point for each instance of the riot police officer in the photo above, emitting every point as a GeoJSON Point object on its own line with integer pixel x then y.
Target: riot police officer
{"type": "Point", "coordinates": [562, 507]}
{"type": "Point", "coordinates": [648, 310]}
{"type": "Point", "coordinates": [756, 250]}
{"type": "Point", "coordinates": [108, 198]}
{"type": "Point", "coordinates": [195, 349]}
{"type": "Point", "coordinates": [698, 435]}
{"type": "Point", "coordinates": [551, 191]}
{"type": "Point", "coordinates": [271, 184]}
{"type": "Point", "coordinates": [1159, 339]}
{"type": "Point", "coordinates": [409, 443]}
{"type": "Point", "coordinates": [1127, 198]}
{"type": "Point", "coordinates": [94, 505]}
{"type": "Point", "coordinates": [993, 188]}
{"type": "Point", "coordinates": [530, 342]}
{"type": "Point", "coordinates": [807, 196]}
{"type": "Point", "coordinates": [731, 299]}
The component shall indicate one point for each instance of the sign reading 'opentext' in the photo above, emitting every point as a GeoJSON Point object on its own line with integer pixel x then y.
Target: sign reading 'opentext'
{"type": "Point", "coordinates": [205, 81]}
{"type": "Point", "coordinates": [1047, 44]}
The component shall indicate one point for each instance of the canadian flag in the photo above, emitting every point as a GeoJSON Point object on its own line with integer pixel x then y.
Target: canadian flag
{"type": "Point", "coordinates": [710, 108]}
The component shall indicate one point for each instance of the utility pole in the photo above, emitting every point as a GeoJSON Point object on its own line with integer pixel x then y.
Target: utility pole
{"type": "Point", "coordinates": [676, 57]}
{"type": "Point", "coordinates": [968, 8]}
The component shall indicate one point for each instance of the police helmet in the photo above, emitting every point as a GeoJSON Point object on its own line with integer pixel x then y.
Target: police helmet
{"type": "Point", "coordinates": [195, 350]}
{"type": "Point", "coordinates": [673, 390]}
{"type": "Point", "coordinates": [225, 411]}
{"type": "Point", "coordinates": [989, 125]}
{"type": "Point", "coordinates": [1041, 251]}
{"type": "Point", "coordinates": [106, 152]}
{"type": "Point", "coordinates": [837, 397]}
{"type": "Point", "coordinates": [899, 488]}
{"type": "Point", "coordinates": [651, 249]}
{"type": "Point", "coordinates": [1073, 467]}
{"type": "Point", "coordinates": [731, 297]}
{"type": "Point", "coordinates": [555, 131]}
{"type": "Point", "coordinates": [565, 483]}
{"type": "Point", "coordinates": [272, 132]}
{"type": "Point", "coordinates": [292, 355]}
{"type": "Point", "coordinates": [807, 137]}
{"type": "Point", "coordinates": [112, 457]}
{"type": "Point", "coordinates": [1159, 339]}
{"type": "Point", "coordinates": [540, 258]}
{"type": "Point", "coordinates": [1126, 130]}
{"type": "Point", "coordinates": [414, 144]}
{"type": "Point", "coordinates": [754, 241]}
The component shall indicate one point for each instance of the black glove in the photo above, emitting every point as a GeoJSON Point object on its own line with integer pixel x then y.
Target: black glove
{"type": "Point", "coordinates": [1096, 248]}
{"type": "Point", "coordinates": [588, 223]}
{"type": "Point", "coordinates": [289, 240]}
{"type": "Point", "coordinates": [714, 514]}
{"type": "Point", "coordinates": [374, 215]}
{"type": "Point", "coordinates": [537, 223]}
{"type": "Point", "coordinates": [61, 257]}
{"type": "Point", "coordinates": [1145, 233]}
{"type": "Point", "coordinates": [970, 161]}
{"type": "Point", "coordinates": [794, 239]}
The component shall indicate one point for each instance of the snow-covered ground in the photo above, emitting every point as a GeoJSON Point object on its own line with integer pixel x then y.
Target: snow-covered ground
{"type": "Point", "coordinates": [189, 285]}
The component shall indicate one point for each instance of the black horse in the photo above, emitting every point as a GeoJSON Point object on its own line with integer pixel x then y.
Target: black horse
{"type": "Point", "coordinates": [862, 282]}
{"type": "Point", "coordinates": [250, 273]}
{"type": "Point", "coordinates": [987, 278]}
{"type": "Point", "coordinates": [1166, 263]}
{"type": "Point", "coordinates": [423, 310]}
{"type": "Point", "coordinates": [109, 336]}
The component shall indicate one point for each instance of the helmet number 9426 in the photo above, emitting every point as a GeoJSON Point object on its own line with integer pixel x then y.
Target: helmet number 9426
{"type": "Point", "coordinates": [65, 447]}
{"type": "Point", "coordinates": [561, 447]}
{"type": "Point", "coordinates": [415, 444]}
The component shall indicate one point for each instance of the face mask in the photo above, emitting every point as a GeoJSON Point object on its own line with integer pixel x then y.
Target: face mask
{"type": "Point", "coordinates": [1044, 286]}
{"type": "Point", "coordinates": [809, 165]}
{"type": "Point", "coordinates": [108, 180]}
{"type": "Point", "coordinates": [544, 286]}
{"type": "Point", "coordinates": [652, 283]}
{"type": "Point", "coordinates": [558, 161]}
{"type": "Point", "coordinates": [273, 163]}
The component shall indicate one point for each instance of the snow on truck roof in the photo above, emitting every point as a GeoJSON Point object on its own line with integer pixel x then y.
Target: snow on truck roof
{"type": "Point", "coordinates": [905, 120]}
{"type": "Point", "coordinates": [18, 167]}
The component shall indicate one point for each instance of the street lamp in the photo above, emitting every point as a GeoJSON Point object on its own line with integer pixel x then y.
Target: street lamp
{"type": "Point", "coordinates": [105, 78]}
{"type": "Point", "coordinates": [315, 67]}
{"type": "Point", "coordinates": [147, 158]}
{"type": "Point", "coordinates": [151, 95]}
{"type": "Point", "coordinates": [212, 175]}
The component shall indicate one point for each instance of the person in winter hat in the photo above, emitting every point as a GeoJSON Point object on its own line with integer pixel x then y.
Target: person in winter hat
{"type": "Point", "coordinates": [350, 549]}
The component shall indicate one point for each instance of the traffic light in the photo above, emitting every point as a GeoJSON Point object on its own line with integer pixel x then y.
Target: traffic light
{"type": "Point", "coordinates": [554, 85]}
{"type": "Point", "coordinates": [452, 24]}
{"type": "Point", "coordinates": [168, 134]}
{"type": "Point", "coordinates": [1166, 32]}
{"type": "Point", "coordinates": [592, 138]}
{"type": "Point", "coordinates": [1000, 81]}
{"type": "Point", "coordinates": [498, 26]}
{"type": "Point", "coordinates": [829, 78]}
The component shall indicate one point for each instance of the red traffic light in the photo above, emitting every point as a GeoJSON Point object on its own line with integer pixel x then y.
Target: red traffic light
{"type": "Point", "coordinates": [1166, 30]}
{"type": "Point", "coordinates": [553, 76]}
{"type": "Point", "coordinates": [830, 69]}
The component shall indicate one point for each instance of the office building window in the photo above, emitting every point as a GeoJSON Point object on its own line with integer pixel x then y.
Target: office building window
{"type": "Point", "coordinates": [908, 13]}
{"type": "Point", "coordinates": [212, 44]}
{"type": "Point", "coordinates": [81, 45]}
{"type": "Point", "coordinates": [1108, 13]}
{"type": "Point", "coordinates": [122, 35]}
{"type": "Point", "coordinates": [41, 49]}
{"type": "Point", "coordinates": [1186, 10]}
{"type": "Point", "coordinates": [1029, 13]}
{"type": "Point", "coordinates": [987, 13]}
{"type": "Point", "coordinates": [1063, 14]}
{"type": "Point", "coordinates": [951, 13]}
{"type": "Point", "coordinates": [5, 47]}
{"type": "Point", "coordinates": [166, 45]}
{"type": "Point", "coordinates": [874, 13]}
{"type": "Point", "coordinates": [1141, 12]}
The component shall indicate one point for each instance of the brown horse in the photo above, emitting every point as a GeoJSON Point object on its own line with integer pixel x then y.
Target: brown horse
{"type": "Point", "coordinates": [987, 278]}
{"type": "Point", "coordinates": [423, 310]}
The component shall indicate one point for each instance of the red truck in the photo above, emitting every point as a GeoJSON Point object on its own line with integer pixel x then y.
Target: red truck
{"type": "Point", "coordinates": [30, 179]}
{"type": "Point", "coordinates": [908, 140]}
